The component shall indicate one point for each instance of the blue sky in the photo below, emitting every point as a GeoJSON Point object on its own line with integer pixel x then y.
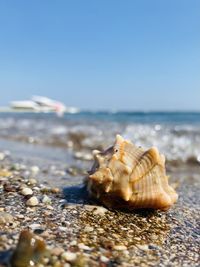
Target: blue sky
{"type": "Point", "coordinates": [102, 54]}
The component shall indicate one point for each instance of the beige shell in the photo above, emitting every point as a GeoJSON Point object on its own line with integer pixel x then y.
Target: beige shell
{"type": "Point", "coordinates": [126, 176]}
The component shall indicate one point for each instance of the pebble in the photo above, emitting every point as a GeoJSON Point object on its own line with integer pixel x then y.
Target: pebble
{"type": "Point", "coordinates": [26, 191]}
{"type": "Point", "coordinates": [22, 186]}
{"type": "Point", "coordinates": [5, 217]}
{"type": "Point", "coordinates": [49, 207]}
{"type": "Point", "coordinates": [33, 201]}
{"type": "Point", "coordinates": [119, 247]}
{"type": "Point", "coordinates": [18, 167]}
{"type": "Point", "coordinates": [88, 229]}
{"type": "Point", "coordinates": [143, 247]}
{"type": "Point", "coordinates": [88, 157]}
{"type": "Point", "coordinates": [36, 188]}
{"type": "Point", "coordinates": [46, 200]}
{"type": "Point", "coordinates": [2, 156]}
{"type": "Point", "coordinates": [62, 228]}
{"type": "Point", "coordinates": [137, 238]}
{"type": "Point", "coordinates": [73, 243]}
{"type": "Point", "coordinates": [100, 211]}
{"type": "Point", "coordinates": [5, 173]}
{"type": "Point", "coordinates": [57, 251]}
{"type": "Point", "coordinates": [83, 246]}
{"type": "Point", "coordinates": [83, 156]}
{"type": "Point", "coordinates": [35, 170]}
{"type": "Point", "coordinates": [32, 181]}
{"type": "Point", "coordinates": [46, 234]}
{"type": "Point", "coordinates": [35, 226]}
{"type": "Point", "coordinates": [78, 155]}
{"type": "Point", "coordinates": [55, 190]}
{"type": "Point", "coordinates": [72, 171]}
{"type": "Point", "coordinates": [154, 237]}
{"type": "Point", "coordinates": [69, 256]}
{"type": "Point", "coordinates": [47, 213]}
{"type": "Point", "coordinates": [103, 259]}
{"type": "Point", "coordinates": [20, 216]}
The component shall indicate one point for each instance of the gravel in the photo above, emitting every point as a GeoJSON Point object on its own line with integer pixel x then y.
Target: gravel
{"type": "Point", "coordinates": [79, 232]}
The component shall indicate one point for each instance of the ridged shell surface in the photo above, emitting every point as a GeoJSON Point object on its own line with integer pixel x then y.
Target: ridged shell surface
{"type": "Point", "coordinates": [127, 176]}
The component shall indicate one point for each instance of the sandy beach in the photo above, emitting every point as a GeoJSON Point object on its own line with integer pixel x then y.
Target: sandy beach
{"type": "Point", "coordinates": [80, 232]}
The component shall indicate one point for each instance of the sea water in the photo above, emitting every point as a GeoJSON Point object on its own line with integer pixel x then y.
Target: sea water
{"type": "Point", "coordinates": [176, 134]}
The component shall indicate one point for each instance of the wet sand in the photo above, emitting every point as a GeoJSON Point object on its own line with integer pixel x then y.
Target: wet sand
{"type": "Point", "coordinates": [78, 231]}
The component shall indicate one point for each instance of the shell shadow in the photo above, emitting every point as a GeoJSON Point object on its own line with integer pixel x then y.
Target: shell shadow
{"type": "Point", "coordinates": [5, 257]}
{"type": "Point", "coordinates": [76, 194]}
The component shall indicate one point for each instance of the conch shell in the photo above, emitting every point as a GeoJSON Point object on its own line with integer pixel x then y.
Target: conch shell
{"type": "Point", "coordinates": [127, 176]}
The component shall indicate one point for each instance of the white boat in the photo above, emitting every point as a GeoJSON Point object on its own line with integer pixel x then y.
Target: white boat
{"type": "Point", "coordinates": [47, 103]}
{"type": "Point", "coordinates": [43, 104]}
{"type": "Point", "coordinates": [25, 104]}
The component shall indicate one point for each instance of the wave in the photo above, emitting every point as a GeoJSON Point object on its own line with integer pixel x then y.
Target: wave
{"type": "Point", "coordinates": [178, 140]}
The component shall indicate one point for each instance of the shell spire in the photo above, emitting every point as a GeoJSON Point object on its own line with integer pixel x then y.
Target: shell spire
{"type": "Point", "coordinates": [127, 176]}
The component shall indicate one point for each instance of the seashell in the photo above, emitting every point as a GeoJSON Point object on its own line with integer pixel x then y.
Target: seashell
{"type": "Point", "coordinates": [127, 176]}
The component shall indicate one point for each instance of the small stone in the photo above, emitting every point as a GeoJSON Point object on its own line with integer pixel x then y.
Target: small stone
{"type": "Point", "coordinates": [83, 155]}
{"type": "Point", "coordinates": [36, 188]}
{"type": "Point", "coordinates": [45, 260]}
{"type": "Point", "coordinates": [35, 226]}
{"type": "Point", "coordinates": [44, 189]}
{"type": "Point", "coordinates": [46, 200]}
{"type": "Point", "coordinates": [62, 228]}
{"type": "Point", "coordinates": [55, 190]}
{"type": "Point", "coordinates": [45, 234]}
{"type": "Point", "coordinates": [32, 181]}
{"type": "Point", "coordinates": [49, 207]}
{"type": "Point", "coordinates": [2, 156]}
{"type": "Point", "coordinates": [57, 251]}
{"type": "Point", "coordinates": [22, 186]}
{"type": "Point", "coordinates": [137, 238]}
{"type": "Point", "coordinates": [100, 211]}
{"type": "Point", "coordinates": [69, 256]}
{"type": "Point", "coordinates": [143, 247]}
{"type": "Point", "coordinates": [26, 191]}
{"type": "Point", "coordinates": [33, 201]}
{"type": "Point", "coordinates": [154, 237]}
{"type": "Point", "coordinates": [78, 155]}
{"type": "Point", "coordinates": [47, 213]}
{"type": "Point", "coordinates": [88, 229]}
{"type": "Point", "coordinates": [83, 246]}
{"type": "Point", "coordinates": [20, 216]}
{"type": "Point", "coordinates": [9, 188]}
{"type": "Point", "coordinates": [88, 156]}
{"type": "Point", "coordinates": [73, 243]}
{"type": "Point", "coordinates": [81, 260]}
{"type": "Point", "coordinates": [72, 171]}
{"type": "Point", "coordinates": [18, 167]}
{"type": "Point", "coordinates": [5, 218]}
{"type": "Point", "coordinates": [35, 170]}
{"type": "Point", "coordinates": [103, 259]}
{"type": "Point", "coordinates": [119, 247]}
{"type": "Point", "coordinates": [5, 173]}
